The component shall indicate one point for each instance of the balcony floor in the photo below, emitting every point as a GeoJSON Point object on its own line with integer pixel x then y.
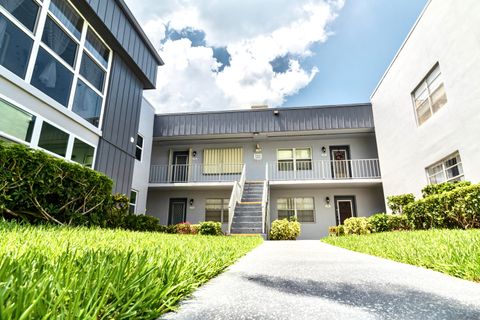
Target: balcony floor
{"type": "Point", "coordinates": [347, 183]}
{"type": "Point", "coordinates": [193, 185]}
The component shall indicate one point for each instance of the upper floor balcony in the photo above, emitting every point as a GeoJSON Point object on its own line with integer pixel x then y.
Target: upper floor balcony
{"type": "Point", "coordinates": [277, 172]}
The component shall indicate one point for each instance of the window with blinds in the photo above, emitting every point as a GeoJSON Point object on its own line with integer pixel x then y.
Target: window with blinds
{"type": "Point", "coordinates": [216, 210]}
{"type": "Point", "coordinates": [223, 161]}
{"type": "Point", "coordinates": [301, 208]}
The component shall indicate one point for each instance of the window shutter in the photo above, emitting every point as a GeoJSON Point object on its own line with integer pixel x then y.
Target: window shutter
{"type": "Point", "coordinates": [222, 161]}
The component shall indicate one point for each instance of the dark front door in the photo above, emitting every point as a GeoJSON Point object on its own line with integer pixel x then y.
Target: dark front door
{"type": "Point", "coordinates": [177, 211]}
{"type": "Point", "coordinates": [344, 208]}
{"type": "Point", "coordinates": [340, 156]}
{"type": "Point", "coordinates": [180, 166]}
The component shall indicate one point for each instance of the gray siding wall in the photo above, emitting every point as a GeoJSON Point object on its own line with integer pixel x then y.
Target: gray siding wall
{"type": "Point", "coordinates": [264, 120]}
{"type": "Point", "coordinates": [115, 154]}
{"type": "Point", "coordinates": [116, 19]}
{"type": "Point", "coordinates": [116, 164]}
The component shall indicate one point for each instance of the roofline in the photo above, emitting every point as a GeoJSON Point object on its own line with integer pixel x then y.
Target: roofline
{"type": "Point", "coordinates": [349, 105]}
{"type": "Point", "coordinates": [401, 48]}
{"type": "Point", "coordinates": [140, 31]}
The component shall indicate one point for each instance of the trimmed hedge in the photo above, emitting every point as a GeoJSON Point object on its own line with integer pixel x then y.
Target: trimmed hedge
{"type": "Point", "coordinates": [210, 228]}
{"type": "Point", "coordinates": [458, 208]}
{"type": "Point", "coordinates": [36, 187]}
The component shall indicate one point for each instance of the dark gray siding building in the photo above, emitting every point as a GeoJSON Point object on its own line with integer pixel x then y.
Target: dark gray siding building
{"type": "Point", "coordinates": [134, 68]}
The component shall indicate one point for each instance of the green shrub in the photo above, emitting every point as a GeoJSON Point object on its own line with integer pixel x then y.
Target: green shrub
{"type": "Point", "coordinates": [397, 203]}
{"type": "Point", "coordinates": [210, 228]}
{"type": "Point", "coordinates": [357, 225]}
{"type": "Point", "coordinates": [382, 222]}
{"type": "Point", "coordinates": [458, 208]}
{"type": "Point", "coordinates": [340, 230]}
{"type": "Point", "coordinates": [285, 230]}
{"type": "Point", "coordinates": [437, 189]}
{"type": "Point", "coordinates": [37, 187]}
{"type": "Point", "coordinates": [142, 223]}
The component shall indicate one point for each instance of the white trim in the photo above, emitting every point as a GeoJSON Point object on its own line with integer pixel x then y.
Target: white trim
{"type": "Point", "coordinates": [400, 49]}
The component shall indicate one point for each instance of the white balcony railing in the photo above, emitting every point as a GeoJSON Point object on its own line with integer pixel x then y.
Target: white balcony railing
{"type": "Point", "coordinates": [184, 173]}
{"type": "Point", "coordinates": [323, 170]}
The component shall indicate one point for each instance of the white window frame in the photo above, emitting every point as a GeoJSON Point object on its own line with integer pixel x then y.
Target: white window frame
{"type": "Point", "coordinates": [459, 164]}
{"type": "Point", "coordinates": [138, 147]}
{"type": "Point", "coordinates": [295, 210]}
{"type": "Point", "coordinates": [294, 150]}
{"type": "Point", "coordinates": [222, 211]}
{"type": "Point", "coordinates": [37, 128]}
{"type": "Point", "coordinates": [36, 36]}
{"type": "Point", "coordinates": [133, 204]}
{"type": "Point", "coordinates": [429, 91]}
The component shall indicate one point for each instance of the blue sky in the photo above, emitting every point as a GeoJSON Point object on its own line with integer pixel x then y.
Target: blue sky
{"type": "Point", "coordinates": [367, 35]}
{"type": "Point", "coordinates": [230, 54]}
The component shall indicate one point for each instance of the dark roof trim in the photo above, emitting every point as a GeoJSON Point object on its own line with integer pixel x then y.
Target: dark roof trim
{"type": "Point", "coordinates": [140, 31]}
{"type": "Point", "coordinates": [345, 118]}
{"type": "Point", "coordinates": [349, 105]}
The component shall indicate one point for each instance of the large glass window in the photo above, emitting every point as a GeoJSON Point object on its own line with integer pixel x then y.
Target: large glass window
{"type": "Point", "coordinates": [51, 77]}
{"type": "Point", "coordinates": [133, 201]}
{"type": "Point", "coordinates": [97, 48]}
{"type": "Point", "coordinates": [92, 72]}
{"type": "Point", "coordinates": [430, 95]}
{"type": "Point", "coordinates": [53, 139]}
{"type": "Point", "coordinates": [447, 170]}
{"type": "Point", "coordinates": [83, 153]}
{"type": "Point", "coordinates": [216, 210]}
{"type": "Point", "coordinates": [87, 103]}
{"type": "Point", "coordinates": [301, 208]}
{"type": "Point", "coordinates": [294, 159]}
{"type": "Point", "coordinates": [67, 16]}
{"type": "Point", "coordinates": [16, 122]}
{"type": "Point", "coordinates": [15, 47]}
{"type": "Point", "coordinates": [25, 11]}
{"type": "Point", "coordinates": [59, 42]}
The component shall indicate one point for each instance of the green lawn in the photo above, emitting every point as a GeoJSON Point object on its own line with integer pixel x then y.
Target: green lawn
{"type": "Point", "coordinates": [80, 273]}
{"type": "Point", "coordinates": [455, 252]}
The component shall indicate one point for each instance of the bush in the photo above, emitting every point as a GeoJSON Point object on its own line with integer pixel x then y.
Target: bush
{"type": "Point", "coordinates": [142, 223]}
{"type": "Point", "coordinates": [357, 225]}
{"type": "Point", "coordinates": [382, 222]}
{"type": "Point", "coordinates": [336, 231]}
{"type": "Point", "coordinates": [397, 203]}
{"type": "Point", "coordinates": [183, 228]}
{"type": "Point", "coordinates": [37, 187]}
{"type": "Point", "coordinates": [285, 229]}
{"type": "Point", "coordinates": [437, 189]}
{"type": "Point", "coordinates": [458, 208]}
{"type": "Point", "coordinates": [210, 228]}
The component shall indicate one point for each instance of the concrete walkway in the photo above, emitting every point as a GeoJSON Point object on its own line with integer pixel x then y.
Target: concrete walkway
{"type": "Point", "coordinates": [311, 280]}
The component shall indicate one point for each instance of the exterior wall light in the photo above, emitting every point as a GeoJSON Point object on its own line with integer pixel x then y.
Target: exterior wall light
{"type": "Point", "coordinates": [194, 154]}
{"type": "Point", "coordinates": [324, 149]}
{"type": "Point", "coordinates": [258, 149]}
{"type": "Point", "coordinates": [276, 112]}
{"type": "Point", "coordinates": [191, 202]}
{"type": "Point", "coordinates": [327, 202]}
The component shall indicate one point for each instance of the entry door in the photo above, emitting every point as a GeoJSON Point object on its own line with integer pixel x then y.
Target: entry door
{"type": "Point", "coordinates": [180, 166]}
{"type": "Point", "coordinates": [344, 208]}
{"type": "Point", "coordinates": [177, 211]}
{"type": "Point", "coordinates": [340, 165]}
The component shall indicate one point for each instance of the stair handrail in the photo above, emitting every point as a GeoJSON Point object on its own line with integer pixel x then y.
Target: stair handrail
{"type": "Point", "coordinates": [264, 204]}
{"type": "Point", "coordinates": [236, 197]}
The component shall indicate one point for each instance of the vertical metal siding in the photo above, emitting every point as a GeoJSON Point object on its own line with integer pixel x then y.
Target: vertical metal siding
{"type": "Point", "coordinates": [116, 21]}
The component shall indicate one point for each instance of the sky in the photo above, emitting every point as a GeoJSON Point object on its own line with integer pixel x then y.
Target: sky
{"type": "Point", "coordinates": [231, 54]}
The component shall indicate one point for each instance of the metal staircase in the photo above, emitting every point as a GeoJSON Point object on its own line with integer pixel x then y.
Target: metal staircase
{"type": "Point", "coordinates": [249, 212]}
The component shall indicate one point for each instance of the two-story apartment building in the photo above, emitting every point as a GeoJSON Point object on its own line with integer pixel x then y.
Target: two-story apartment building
{"type": "Point", "coordinates": [246, 168]}
{"type": "Point", "coordinates": [427, 105]}
{"type": "Point", "coordinates": [72, 75]}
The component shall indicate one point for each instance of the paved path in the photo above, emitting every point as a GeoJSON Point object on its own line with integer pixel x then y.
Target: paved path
{"type": "Point", "coordinates": [311, 280]}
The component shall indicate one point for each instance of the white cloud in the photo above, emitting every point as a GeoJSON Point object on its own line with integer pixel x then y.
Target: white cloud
{"type": "Point", "coordinates": [254, 34]}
